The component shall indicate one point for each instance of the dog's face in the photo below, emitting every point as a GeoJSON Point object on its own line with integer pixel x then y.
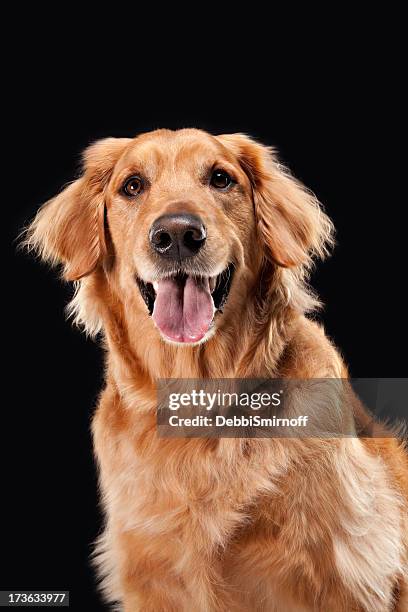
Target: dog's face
{"type": "Point", "coordinates": [180, 219]}
{"type": "Point", "coordinates": [180, 215]}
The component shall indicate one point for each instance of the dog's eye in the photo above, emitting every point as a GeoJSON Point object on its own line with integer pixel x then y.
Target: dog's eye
{"type": "Point", "coordinates": [132, 186]}
{"type": "Point", "coordinates": [220, 179]}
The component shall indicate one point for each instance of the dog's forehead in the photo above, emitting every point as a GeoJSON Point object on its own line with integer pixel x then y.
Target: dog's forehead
{"type": "Point", "coordinates": [175, 149]}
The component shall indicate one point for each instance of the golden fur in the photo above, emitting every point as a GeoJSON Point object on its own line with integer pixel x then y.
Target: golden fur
{"type": "Point", "coordinates": [222, 525]}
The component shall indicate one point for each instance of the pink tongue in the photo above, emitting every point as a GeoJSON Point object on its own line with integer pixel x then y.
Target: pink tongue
{"type": "Point", "coordinates": [183, 311]}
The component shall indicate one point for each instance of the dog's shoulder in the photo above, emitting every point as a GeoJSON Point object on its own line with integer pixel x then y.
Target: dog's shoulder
{"type": "Point", "coordinates": [309, 353]}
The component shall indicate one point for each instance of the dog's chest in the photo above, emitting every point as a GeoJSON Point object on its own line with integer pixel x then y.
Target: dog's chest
{"type": "Point", "coordinates": [182, 493]}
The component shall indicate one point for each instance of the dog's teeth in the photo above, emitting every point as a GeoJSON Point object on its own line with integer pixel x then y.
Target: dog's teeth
{"type": "Point", "coordinates": [155, 286]}
{"type": "Point", "coordinates": [213, 280]}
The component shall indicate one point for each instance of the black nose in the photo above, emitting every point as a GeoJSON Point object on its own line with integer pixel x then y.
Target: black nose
{"type": "Point", "coordinates": [177, 236]}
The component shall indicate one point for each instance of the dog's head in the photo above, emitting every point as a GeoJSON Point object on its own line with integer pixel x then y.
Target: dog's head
{"type": "Point", "coordinates": [177, 218]}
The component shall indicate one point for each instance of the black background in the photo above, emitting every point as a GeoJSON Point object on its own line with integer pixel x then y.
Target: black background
{"type": "Point", "coordinates": [340, 134]}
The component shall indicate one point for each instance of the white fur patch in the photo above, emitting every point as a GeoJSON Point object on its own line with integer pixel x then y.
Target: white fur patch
{"type": "Point", "coordinates": [369, 549]}
{"type": "Point", "coordinates": [84, 309]}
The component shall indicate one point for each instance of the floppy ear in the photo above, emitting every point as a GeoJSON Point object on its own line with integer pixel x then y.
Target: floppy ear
{"type": "Point", "coordinates": [290, 220]}
{"type": "Point", "coordinates": [69, 229]}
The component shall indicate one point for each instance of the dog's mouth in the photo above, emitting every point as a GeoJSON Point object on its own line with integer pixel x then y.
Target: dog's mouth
{"type": "Point", "coordinates": [183, 306]}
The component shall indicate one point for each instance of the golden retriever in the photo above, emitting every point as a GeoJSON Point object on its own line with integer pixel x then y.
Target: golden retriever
{"type": "Point", "coordinates": [190, 254]}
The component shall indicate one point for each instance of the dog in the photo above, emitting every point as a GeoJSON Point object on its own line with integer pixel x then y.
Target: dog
{"type": "Point", "coordinates": [190, 255]}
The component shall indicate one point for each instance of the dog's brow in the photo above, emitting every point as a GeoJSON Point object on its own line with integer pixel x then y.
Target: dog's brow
{"type": "Point", "coordinates": [146, 159]}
